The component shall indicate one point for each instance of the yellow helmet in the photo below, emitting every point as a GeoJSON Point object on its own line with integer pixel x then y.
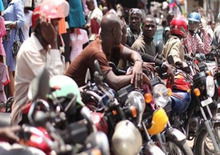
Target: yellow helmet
{"type": "Point", "coordinates": [159, 122]}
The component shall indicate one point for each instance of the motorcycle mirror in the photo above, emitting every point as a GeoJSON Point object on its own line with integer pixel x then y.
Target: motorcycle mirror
{"type": "Point", "coordinates": [41, 118]}
{"type": "Point", "coordinates": [98, 76]}
{"type": "Point", "coordinates": [97, 67]}
{"type": "Point", "coordinates": [88, 76]}
{"type": "Point", "coordinates": [39, 86]}
{"type": "Point", "coordinates": [100, 140]}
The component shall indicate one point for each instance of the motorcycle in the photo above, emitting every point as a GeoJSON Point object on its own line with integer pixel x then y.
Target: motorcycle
{"type": "Point", "coordinates": [194, 106]}
{"type": "Point", "coordinates": [204, 90]}
{"type": "Point", "coordinates": [124, 112]}
{"type": "Point", "coordinates": [171, 139]}
{"type": "Point", "coordinates": [49, 113]}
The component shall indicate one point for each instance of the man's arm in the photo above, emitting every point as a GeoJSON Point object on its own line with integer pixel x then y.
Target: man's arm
{"type": "Point", "coordinates": [130, 54]}
{"type": "Point", "coordinates": [149, 58]}
{"type": "Point", "coordinates": [204, 45]}
{"type": "Point", "coordinates": [117, 82]}
{"type": "Point", "coordinates": [135, 57]}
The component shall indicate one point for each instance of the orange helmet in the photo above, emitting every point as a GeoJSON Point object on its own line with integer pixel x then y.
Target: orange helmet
{"type": "Point", "coordinates": [178, 26]}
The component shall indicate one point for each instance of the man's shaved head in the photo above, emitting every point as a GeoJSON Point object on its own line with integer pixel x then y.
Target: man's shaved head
{"type": "Point", "coordinates": [109, 21]}
{"type": "Point", "coordinates": [149, 18]}
{"type": "Point", "coordinates": [111, 29]}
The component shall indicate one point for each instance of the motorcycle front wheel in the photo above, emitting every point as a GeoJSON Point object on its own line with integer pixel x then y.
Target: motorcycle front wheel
{"type": "Point", "coordinates": [203, 144]}
{"type": "Point", "coordinates": [174, 147]}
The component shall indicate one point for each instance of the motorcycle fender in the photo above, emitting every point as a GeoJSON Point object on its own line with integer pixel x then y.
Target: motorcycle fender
{"type": "Point", "coordinates": [152, 149]}
{"type": "Point", "coordinates": [175, 134]}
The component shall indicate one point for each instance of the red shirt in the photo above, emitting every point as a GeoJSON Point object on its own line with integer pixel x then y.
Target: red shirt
{"type": "Point", "coordinates": [78, 68]}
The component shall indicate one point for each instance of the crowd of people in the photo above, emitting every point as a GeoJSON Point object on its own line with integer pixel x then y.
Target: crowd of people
{"type": "Point", "coordinates": [67, 36]}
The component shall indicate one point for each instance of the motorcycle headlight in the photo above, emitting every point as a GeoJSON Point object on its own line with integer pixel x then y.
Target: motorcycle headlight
{"type": "Point", "coordinates": [136, 99]}
{"type": "Point", "coordinates": [210, 86]}
{"type": "Point", "coordinates": [160, 94]}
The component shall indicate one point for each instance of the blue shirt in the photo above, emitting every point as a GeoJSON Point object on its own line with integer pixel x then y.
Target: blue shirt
{"type": "Point", "coordinates": [76, 17]}
{"type": "Point", "coordinates": [14, 12]}
{"type": "Point", "coordinates": [1, 6]}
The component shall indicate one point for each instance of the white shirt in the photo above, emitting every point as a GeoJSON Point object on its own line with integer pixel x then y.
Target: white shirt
{"type": "Point", "coordinates": [77, 41]}
{"type": "Point", "coordinates": [96, 13]}
{"type": "Point", "coordinates": [31, 60]}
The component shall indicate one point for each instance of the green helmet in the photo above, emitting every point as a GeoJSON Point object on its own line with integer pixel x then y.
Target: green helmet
{"type": "Point", "coordinates": [64, 86]}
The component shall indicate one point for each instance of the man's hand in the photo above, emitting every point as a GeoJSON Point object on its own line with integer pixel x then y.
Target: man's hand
{"type": "Point", "coordinates": [49, 33]}
{"type": "Point", "coordinates": [137, 74]}
{"type": "Point", "coordinates": [87, 26]}
{"type": "Point", "coordinates": [146, 80]}
{"type": "Point", "coordinates": [201, 28]}
{"type": "Point", "coordinates": [9, 133]}
{"type": "Point", "coordinates": [170, 71]}
{"type": "Point", "coordinates": [148, 66]}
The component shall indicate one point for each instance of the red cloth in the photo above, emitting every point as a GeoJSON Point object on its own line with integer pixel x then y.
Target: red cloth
{"type": "Point", "coordinates": [94, 26]}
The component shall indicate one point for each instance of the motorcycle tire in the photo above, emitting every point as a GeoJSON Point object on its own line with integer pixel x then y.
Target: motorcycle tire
{"type": "Point", "coordinates": [199, 147]}
{"type": "Point", "coordinates": [181, 145]}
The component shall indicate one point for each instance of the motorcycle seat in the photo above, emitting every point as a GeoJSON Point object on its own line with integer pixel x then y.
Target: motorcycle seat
{"type": "Point", "coordinates": [4, 119]}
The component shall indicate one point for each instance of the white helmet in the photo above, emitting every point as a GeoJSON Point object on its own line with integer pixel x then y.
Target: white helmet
{"type": "Point", "coordinates": [129, 143]}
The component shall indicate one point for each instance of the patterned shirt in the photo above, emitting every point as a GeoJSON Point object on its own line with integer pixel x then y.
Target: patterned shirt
{"type": "Point", "coordinates": [194, 43]}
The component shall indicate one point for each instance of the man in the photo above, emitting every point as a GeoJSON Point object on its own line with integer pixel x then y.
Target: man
{"type": "Point", "coordinates": [101, 49]}
{"type": "Point", "coordinates": [145, 44]}
{"type": "Point", "coordinates": [216, 38]}
{"type": "Point", "coordinates": [37, 52]}
{"type": "Point", "coordinates": [173, 50]}
{"type": "Point", "coordinates": [194, 42]}
{"type": "Point", "coordinates": [94, 19]}
{"type": "Point", "coordinates": [134, 29]}
{"type": "Point", "coordinates": [14, 17]}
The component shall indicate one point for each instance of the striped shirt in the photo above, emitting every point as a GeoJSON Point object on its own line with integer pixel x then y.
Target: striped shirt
{"type": "Point", "coordinates": [196, 44]}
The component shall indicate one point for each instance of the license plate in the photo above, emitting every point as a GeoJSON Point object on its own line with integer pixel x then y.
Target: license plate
{"type": "Point", "coordinates": [206, 102]}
